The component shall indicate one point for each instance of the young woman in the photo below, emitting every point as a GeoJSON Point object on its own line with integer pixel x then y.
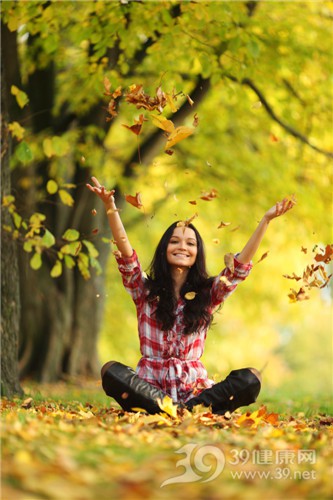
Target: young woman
{"type": "Point", "coordinates": [175, 304]}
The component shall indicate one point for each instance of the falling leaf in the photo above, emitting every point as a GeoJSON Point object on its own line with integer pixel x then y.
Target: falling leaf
{"type": "Point", "coordinates": [234, 229]}
{"type": "Point", "coordinates": [95, 231]}
{"type": "Point", "coordinates": [264, 256]}
{"type": "Point", "coordinates": [187, 222]}
{"type": "Point", "coordinates": [292, 277]}
{"type": "Point", "coordinates": [273, 138]}
{"type": "Point", "coordinates": [195, 120]}
{"type": "Point", "coordinates": [193, 202]}
{"type": "Point", "coordinates": [136, 95]}
{"type": "Point", "coordinates": [178, 135]}
{"type": "Point", "coordinates": [216, 241]}
{"type": "Point", "coordinates": [94, 211]}
{"type": "Point", "coordinates": [171, 101]}
{"type": "Point", "coordinates": [190, 101]}
{"type": "Point", "coordinates": [304, 250]}
{"type": "Point", "coordinates": [298, 296]}
{"type": "Point", "coordinates": [209, 196]}
{"type": "Point", "coordinates": [327, 256]}
{"type": "Point", "coordinates": [136, 128]}
{"type": "Point", "coordinates": [223, 224]}
{"type": "Point", "coordinates": [256, 105]}
{"type": "Point", "coordinates": [169, 152]}
{"type": "Point", "coordinates": [190, 295]}
{"type": "Point", "coordinates": [163, 123]}
{"type": "Point", "coordinates": [134, 200]}
{"type": "Point", "coordinates": [229, 261]}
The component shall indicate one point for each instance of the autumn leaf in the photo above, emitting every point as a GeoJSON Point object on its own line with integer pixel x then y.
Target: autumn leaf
{"type": "Point", "coordinates": [195, 120]}
{"type": "Point", "coordinates": [223, 224]}
{"type": "Point", "coordinates": [326, 257]}
{"type": "Point", "coordinates": [292, 277]}
{"type": "Point", "coordinates": [187, 222]}
{"type": "Point", "coordinates": [136, 128]}
{"type": "Point", "coordinates": [273, 138]}
{"type": "Point", "coordinates": [168, 406]}
{"type": "Point", "coordinates": [209, 195]}
{"type": "Point", "coordinates": [163, 123]}
{"type": "Point", "coordinates": [190, 295]}
{"type": "Point", "coordinates": [264, 256]}
{"type": "Point", "coordinates": [298, 296]}
{"type": "Point", "coordinates": [134, 200]}
{"type": "Point", "coordinates": [190, 101]}
{"type": "Point", "coordinates": [178, 135]}
{"type": "Point", "coordinates": [136, 95]}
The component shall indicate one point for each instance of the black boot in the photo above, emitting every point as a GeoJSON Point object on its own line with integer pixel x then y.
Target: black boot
{"type": "Point", "coordinates": [130, 391]}
{"type": "Point", "coordinates": [240, 388]}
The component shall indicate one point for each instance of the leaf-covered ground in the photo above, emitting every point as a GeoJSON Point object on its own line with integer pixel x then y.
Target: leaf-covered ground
{"type": "Point", "coordinates": [81, 447]}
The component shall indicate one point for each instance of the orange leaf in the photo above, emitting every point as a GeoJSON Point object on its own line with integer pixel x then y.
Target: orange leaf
{"type": "Point", "coordinates": [209, 196]}
{"type": "Point", "coordinates": [134, 200]}
{"type": "Point", "coordinates": [136, 128]}
{"type": "Point", "coordinates": [178, 135]}
{"type": "Point", "coordinates": [327, 256]}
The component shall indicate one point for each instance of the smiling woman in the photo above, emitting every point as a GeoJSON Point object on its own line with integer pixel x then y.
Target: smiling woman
{"type": "Point", "coordinates": [175, 305]}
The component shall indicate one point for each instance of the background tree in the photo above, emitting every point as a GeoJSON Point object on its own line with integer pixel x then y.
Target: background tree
{"type": "Point", "coordinates": [251, 73]}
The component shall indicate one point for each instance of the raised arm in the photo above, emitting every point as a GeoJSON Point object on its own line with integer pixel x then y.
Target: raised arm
{"type": "Point", "coordinates": [116, 225]}
{"type": "Point", "coordinates": [252, 245]}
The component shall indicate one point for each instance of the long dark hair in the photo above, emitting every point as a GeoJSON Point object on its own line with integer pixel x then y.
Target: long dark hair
{"type": "Point", "coordinates": [160, 286]}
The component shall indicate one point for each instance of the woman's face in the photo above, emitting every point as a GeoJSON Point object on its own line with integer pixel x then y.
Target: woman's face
{"type": "Point", "coordinates": [182, 248]}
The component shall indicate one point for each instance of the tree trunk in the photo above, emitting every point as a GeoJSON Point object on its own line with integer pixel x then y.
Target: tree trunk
{"type": "Point", "coordinates": [10, 302]}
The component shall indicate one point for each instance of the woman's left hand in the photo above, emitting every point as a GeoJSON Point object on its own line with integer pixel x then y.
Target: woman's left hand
{"type": "Point", "coordinates": [280, 208]}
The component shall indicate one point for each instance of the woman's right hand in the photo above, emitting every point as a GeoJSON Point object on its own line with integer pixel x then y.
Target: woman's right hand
{"type": "Point", "coordinates": [105, 195]}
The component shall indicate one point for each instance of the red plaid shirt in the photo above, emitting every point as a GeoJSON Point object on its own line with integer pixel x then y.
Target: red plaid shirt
{"type": "Point", "coordinates": [171, 360]}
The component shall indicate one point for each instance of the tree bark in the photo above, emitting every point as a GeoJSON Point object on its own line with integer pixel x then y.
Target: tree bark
{"type": "Point", "coordinates": [10, 297]}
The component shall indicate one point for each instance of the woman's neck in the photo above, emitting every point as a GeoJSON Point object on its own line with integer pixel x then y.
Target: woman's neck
{"type": "Point", "coordinates": [179, 275]}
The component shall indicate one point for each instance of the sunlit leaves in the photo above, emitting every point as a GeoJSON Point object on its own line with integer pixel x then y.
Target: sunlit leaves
{"type": "Point", "coordinates": [21, 97]}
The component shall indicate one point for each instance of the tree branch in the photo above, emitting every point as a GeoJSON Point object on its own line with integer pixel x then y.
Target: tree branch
{"type": "Point", "coordinates": [284, 125]}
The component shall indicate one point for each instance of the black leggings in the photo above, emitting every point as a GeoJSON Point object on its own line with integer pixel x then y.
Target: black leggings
{"type": "Point", "coordinates": [240, 388]}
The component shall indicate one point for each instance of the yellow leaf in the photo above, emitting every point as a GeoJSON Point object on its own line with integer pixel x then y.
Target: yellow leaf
{"type": "Point", "coordinates": [16, 130]}
{"type": "Point", "coordinates": [178, 135]}
{"type": "Point", "coordinates": [52, 186]}
{"type": "Point", "coordinates": [163, 123]}
{"type": "Point", "coordinates": [66, 198]}
{"type": "Point", "coordinates": [56, 269]}
{"type": "Point", "coordinates": [190, 295]}
{"type": "Point", "coordinates": [167, 406]}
